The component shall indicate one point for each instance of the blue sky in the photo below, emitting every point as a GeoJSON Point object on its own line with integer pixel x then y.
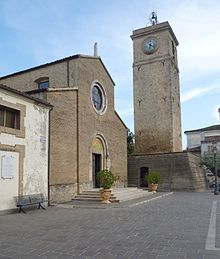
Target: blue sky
{"type": "Point", "coordinates": [39, 31]}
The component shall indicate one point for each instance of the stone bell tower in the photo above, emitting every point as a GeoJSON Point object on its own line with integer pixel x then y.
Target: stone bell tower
{"type": "Point", "coordinates": [157, 118]}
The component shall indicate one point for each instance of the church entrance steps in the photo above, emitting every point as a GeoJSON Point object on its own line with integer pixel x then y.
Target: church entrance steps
{"type": "Point", "coordinates": [92, 196]}
{"type": "Point", "coordinates": [118, 194]}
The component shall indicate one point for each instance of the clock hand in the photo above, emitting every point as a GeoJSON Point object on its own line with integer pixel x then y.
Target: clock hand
{"type": "Point", "coordinates": [150, 45]}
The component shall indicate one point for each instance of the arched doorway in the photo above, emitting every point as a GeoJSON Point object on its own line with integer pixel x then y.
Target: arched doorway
{"type": "Point", "coordinates": [99, 157]}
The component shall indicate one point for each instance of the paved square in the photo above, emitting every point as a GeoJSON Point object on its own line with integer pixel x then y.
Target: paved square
{"type": "Point", "coordinates": [174, 226]}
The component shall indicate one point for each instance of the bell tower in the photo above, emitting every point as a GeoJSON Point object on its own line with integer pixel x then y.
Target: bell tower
{"type": "Point", "coordinates": [157, 115]}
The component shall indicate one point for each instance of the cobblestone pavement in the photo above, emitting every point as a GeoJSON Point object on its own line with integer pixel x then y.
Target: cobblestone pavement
{"type": "Point", "coordinates": [181, 225]}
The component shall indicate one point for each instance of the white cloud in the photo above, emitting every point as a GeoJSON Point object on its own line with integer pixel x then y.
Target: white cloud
{"type": "Point", "coordinates": [196, 25]}
{"type": "Point", "coordinates": [197, 92]}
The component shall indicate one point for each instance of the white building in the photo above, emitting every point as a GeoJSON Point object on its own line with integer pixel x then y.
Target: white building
{"type": "Point", "coordinates": [201, 140]}
{"type": "Point", "coordinates": [24, 142]}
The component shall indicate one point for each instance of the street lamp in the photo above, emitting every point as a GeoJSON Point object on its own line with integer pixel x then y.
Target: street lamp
{"type": "Point", "coordinates": [214, 149]}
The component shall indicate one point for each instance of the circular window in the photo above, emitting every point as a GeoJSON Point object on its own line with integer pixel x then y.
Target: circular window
{"type": "Point", "coordinates": [98, 98]}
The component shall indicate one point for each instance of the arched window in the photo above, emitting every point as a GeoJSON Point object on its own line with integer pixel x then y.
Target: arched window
{"type": "Point", "coordinates": [43, 82]}
{"type": "Point", "coordinates": [43, 85]}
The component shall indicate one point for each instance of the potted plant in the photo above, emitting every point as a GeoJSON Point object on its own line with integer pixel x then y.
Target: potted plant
{"type": "Point", "coordinates": [106, 180]}
{"type": "Point", "coordinates": [153, 179]}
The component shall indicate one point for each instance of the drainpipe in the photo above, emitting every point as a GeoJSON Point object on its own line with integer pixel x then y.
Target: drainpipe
{"type": "Point", "coordinates": [77, 140]}
{"type": "Point", "coordinates": [48, 167]}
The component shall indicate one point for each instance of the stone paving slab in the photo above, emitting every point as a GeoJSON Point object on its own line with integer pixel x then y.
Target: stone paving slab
{"type": "Point", "coordinates": [173, 226]}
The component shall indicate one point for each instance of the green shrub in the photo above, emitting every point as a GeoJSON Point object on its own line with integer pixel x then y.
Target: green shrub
{"type": "Point", "coordinates": [106, 179]}
{"type": "Point", "coordinates": [153, 178]}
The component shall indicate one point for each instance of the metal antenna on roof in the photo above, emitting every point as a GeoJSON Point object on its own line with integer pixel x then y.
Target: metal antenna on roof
{"type": "Point", "coordinates": [96, 49]}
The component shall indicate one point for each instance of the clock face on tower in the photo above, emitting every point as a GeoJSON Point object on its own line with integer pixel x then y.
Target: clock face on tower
{"type": "Point", "coordinates": [150, 45]}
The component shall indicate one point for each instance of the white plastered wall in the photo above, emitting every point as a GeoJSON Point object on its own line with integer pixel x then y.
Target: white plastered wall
{"type": "Point", "coordinates": [36, 151]}
{"type": "Point", "coordinates": [8, 184]}
{"type": "Point", "coordinates": [35, 161]}
{"type": "Point", "coordinates": [193, 139]}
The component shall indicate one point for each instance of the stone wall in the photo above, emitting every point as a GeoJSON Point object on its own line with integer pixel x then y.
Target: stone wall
{"type": "Point", "coordinates": [179, 171]}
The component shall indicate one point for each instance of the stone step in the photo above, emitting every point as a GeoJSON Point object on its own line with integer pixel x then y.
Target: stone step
{"type": "Point", "coordinates": [82, 196]}
{"type": "Point", "coordinates": [93, 199]}
{"type": "Point", "coordinates": [118, 194]}
{"type": "Point", "coordinates": [78, 198]}
{"type": "Point", "coordinates": [132, 196]}
{"type": "Point", "coordinates": [95, 191]}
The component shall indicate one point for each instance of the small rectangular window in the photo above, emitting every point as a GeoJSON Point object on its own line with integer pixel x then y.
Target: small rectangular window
{"type": "Point", "coordinates": [43, 85]}
{"type": "Point", "coordinates": [9, 118]}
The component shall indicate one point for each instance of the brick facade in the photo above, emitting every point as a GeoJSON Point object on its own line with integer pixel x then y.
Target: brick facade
{"type": "Point", "coordinates": [75, 124]}
{"type": "Point", "coordinates": [157, 118]}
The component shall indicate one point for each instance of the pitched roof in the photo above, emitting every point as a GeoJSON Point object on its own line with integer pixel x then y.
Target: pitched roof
{"type": "Point", "coordinates": [57, 62]}
{"type": "Point", "coordinates": [210, 128]}
{"type": "Point", "coordinates": [12, 90]}
{"type": "Point", "coordinates": [40, 66]}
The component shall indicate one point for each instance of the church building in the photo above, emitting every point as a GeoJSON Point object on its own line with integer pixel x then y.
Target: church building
{"type": "Point", "coordinates": [86, 133]}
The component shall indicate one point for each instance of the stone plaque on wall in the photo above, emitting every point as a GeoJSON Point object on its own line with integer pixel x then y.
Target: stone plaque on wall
{"type": "Point", "coordinates": [8, 167]}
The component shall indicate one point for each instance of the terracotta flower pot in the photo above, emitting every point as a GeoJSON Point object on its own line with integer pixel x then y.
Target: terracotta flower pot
{"type": "Point", "coordinates": [105, 195]}
{"type": "Point", "coordinates": [153, 187]}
